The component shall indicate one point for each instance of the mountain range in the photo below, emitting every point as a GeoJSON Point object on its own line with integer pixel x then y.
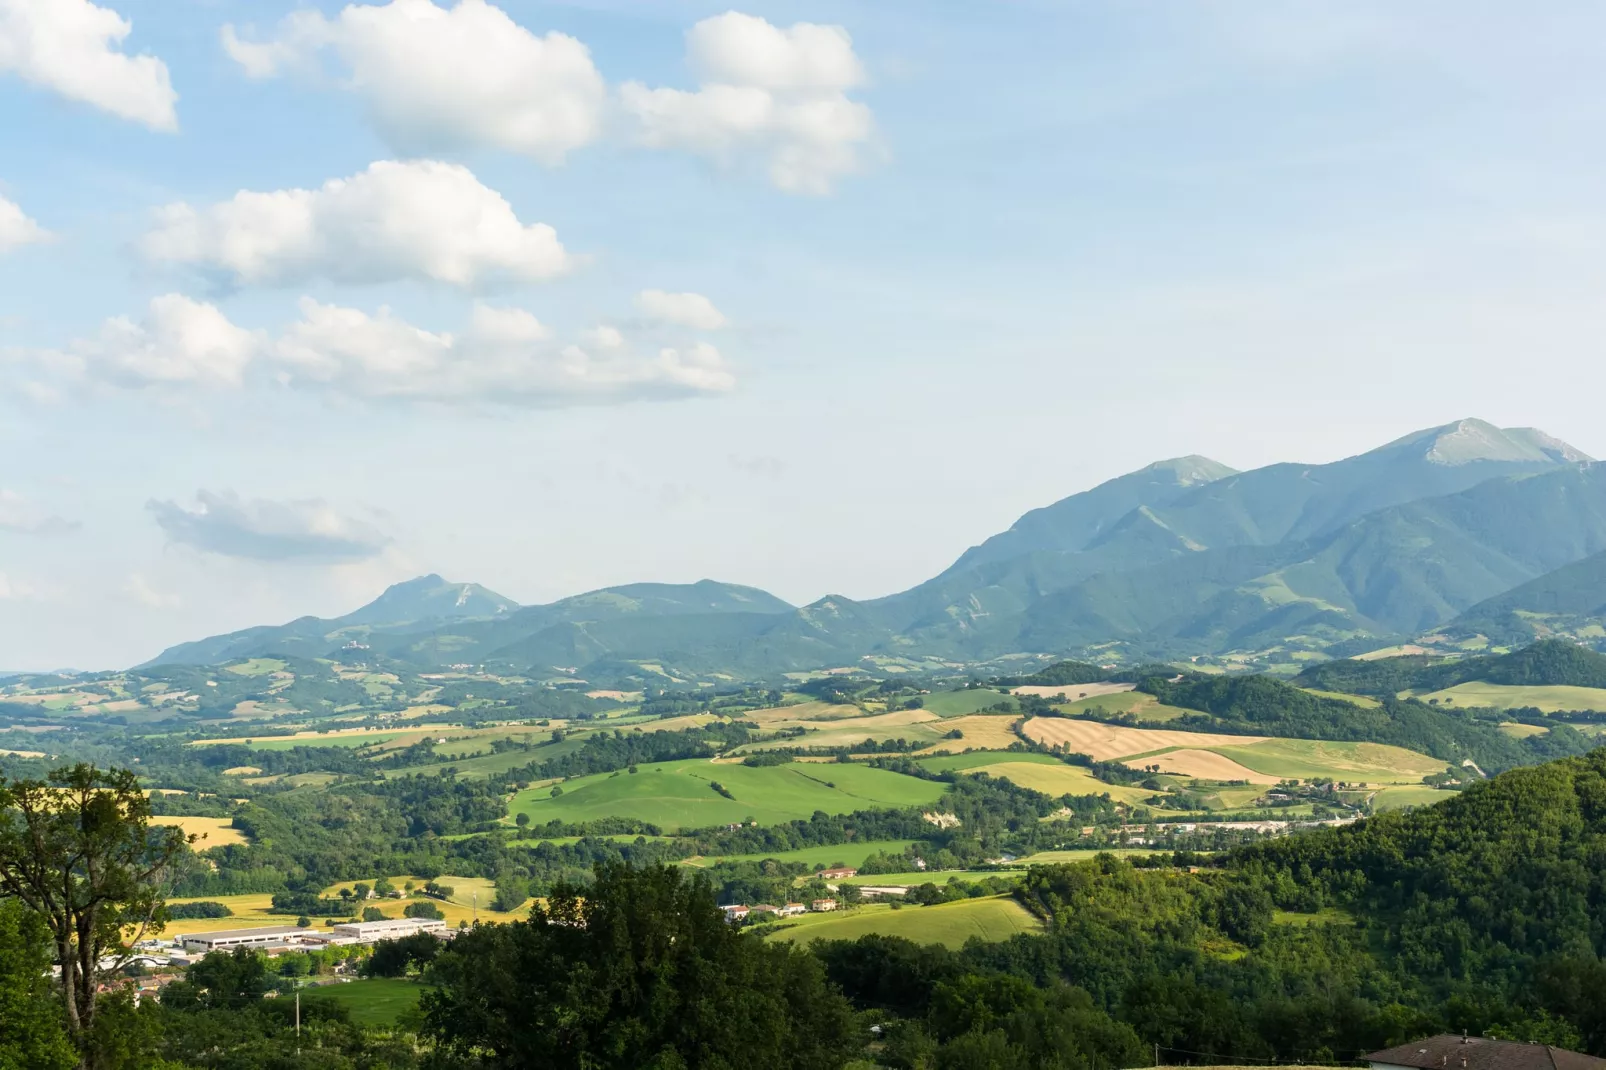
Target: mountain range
{"type": "Point", "coordinates": [1447, 527]}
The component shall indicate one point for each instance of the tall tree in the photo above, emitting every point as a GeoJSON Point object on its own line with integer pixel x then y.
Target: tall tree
{"type": "Point", "coordinates": [638, 970]}
{"type": "Point", "coordinates": [31, 1032]}
{"type": "Point", "coordinates": [78, 850]}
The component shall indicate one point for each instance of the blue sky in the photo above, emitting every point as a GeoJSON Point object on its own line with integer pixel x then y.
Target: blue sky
{"type": "Point", "coordinates": [806, 296]}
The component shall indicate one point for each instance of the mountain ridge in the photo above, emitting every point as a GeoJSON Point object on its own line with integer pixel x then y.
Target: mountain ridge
{"type": "Point", "coordinates": [1183, 555]}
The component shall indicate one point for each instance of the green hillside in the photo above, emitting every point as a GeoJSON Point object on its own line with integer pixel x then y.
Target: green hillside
{"type": "Point", "coordinates": [1570, 601]}
{"type": "Point", "coordinates": [675, 795]}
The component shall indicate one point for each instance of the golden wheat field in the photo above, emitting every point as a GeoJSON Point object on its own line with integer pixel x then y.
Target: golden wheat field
{"type": "Point", "coordinates": [1106, 741]}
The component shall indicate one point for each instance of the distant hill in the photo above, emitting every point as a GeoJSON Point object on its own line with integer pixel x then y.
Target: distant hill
{"type": "Point", "coordinates": [1550, 662]}
{"type": "Point", "coordinates": [420, 602]}
{"type": "Point", "coordinates": [428, 622]}
{"type": "Point", "coordinates": [1183, 557]}
{"type": "Point", "coordinates": [1570, 601]}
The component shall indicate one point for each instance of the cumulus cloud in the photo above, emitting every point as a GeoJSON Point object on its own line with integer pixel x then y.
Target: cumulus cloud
{"type": "Point", "coordinates": [18, 514]}
{"type": "Point", "coordinates": [778, 92]}
{"type": "Point", "coordinates": [179, 342]}
{"type": "Point", "coordinates": [682, 310]}
{"type": "Point", "coordinates": [72, 47]}
{"type": "Point", "coordinates": [438, 79]}
{"type": "Point", "coordinates": [16, 229]}
{"type": "Point", "coordinates": [417, 219]}
{"type": "Point", "coordinates": [308, 530]}
{"type": "Point", "coordinates": [502, 356]}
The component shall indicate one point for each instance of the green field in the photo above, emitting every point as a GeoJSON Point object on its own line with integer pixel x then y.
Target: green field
{"type": "Point", "coordinates": [1305, 759]}
{"type": "Point", "coordinates": [1038, 772]}
{"type": "Point", "coordinates": [257, 667]}
{"type": "Point", "coordinates": [375, 1001]}
{"type": "Point", "coordinates": [950, 924]}
{"type": "Point", "coordinates": [1507, 696]}
{"type": "Point", "coordinates": [1143, 706]}
{"type": "Point", "coordinates": [1400, 796]}
{"type": "Point", "coordinates": [843, 854]}
{"type": "Point", "coordinates": [475, 767]}
{"type": "Point", "coordinates": [978, 758]}
{"type": "Point", "coordinates": [960, 703]}
{"type": "Point", "coordinates": [679, 795]}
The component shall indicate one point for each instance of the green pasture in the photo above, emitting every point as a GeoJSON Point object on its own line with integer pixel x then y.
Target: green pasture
{"type": "Point", "coordinates": [375, 1001]}
{"type": "Point", "coordinates": [1344, 696]}
{"type": "Point", "coordinates": [256, 667]}
{"type": "Point", "coordinates": [991, 919]}
{"type": "Point", "coordinates": [1307, 759]}
{"type": "Point", "coordinates": [679, 795]}
{"type": "Point", "coordinates": [976, 759]}
{"type": "Point", "coordinates": [1510, 696]}
{"type": "Point", "coordinates": [1400, 796]}
{"type": "Point", "coordinates": [960, 703]}
{"type": "Point", "coordinates": [1140, 705]}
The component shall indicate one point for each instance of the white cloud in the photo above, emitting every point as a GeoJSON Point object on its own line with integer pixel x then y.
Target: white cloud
{"type": "Point", "coordinates": [71, 47]}
{"type": "Point", "coordinates": [264, 530]}
{"type": "Point", "coordinates": [683, 310]}
{"type": "Point", "coordinates": [503, 356]}
{"type": "Point", "coordinates": [396, 220]}
{"type": "Point", "coordinates": [179, 342]}
{"type": "Point", "coordinates": [138, 589]}
{"type": "Point", "coordinates": [782, 93]}
{"type": "Point", "coordinates": [16, 229]}
{"type": "Point", "coordinates": [437, 79]}
{"type": "Point", "coordinates": [16, 590]}
{"type": "Point", "coordinates": [18, 514]}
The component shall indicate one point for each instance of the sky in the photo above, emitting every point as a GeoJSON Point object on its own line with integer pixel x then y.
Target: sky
{"type": "Point", "coordinates": [298, 300]}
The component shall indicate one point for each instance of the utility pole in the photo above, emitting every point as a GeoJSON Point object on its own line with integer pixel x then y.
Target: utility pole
{"type": "Point", "coordinates": [1157, 1055]}
{"type": "Point", "coordinates": [476, 908]}
{"type": "Point", "coordinates": [298, 1018]}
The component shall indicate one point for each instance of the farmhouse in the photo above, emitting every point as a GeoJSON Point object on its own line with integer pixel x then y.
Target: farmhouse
{"type": "Point", "coordinates": [1450, 1052]}
{"type": "Point", "coordinates": [838, 873]}
{"type": "Point", "coordinates": [822, 905]}
{"type": "Point", "coordinates": [735, 912]}
{"type": "Point", "coordinates": [792, 910]}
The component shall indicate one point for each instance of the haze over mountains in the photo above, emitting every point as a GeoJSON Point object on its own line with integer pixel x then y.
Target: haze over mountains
{"type": "Point", "coordinates": [1458, 523]}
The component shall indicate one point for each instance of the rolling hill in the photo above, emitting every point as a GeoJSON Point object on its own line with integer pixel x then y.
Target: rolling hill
{"type": "Point", "coordinates": [1570, 601]}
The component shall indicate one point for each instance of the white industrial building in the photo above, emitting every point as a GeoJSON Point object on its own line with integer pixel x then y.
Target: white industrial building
{"type": "Point", "coordinates": [273, 936]}
{"type": "Point", "coordinates": [368, 932]}
{"type": "Point", "coordinates": [284, 937]}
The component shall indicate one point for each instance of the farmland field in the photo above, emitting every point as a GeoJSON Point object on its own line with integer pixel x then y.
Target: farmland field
{"type": "Point", "coordinates": [1506, 696]}
{"type": "Point", "coordinates": [373, 1001]}
{"type": "Point", "coordinates": [1307, 758]}
{"type": "Point", "coordinates": [1523, 731]}
{"type": "Point", "coordinates": [215, 830]}
{"type": "Point", "coordinates": [1144, 707]}
{"type": "Point", "coordinates": [1039, 772]}
{"type": "Point", "coordinates": [678, 795]}
{"type": "Point", "coordinates": [950, 924]}
{"type": "Point", "coordinates": [1073, 692]}
{"type": "Point", "coordinates": [976, 730]}
{"type": "Point", "coordinates": [961, 762]}
{"type": "Point", "coordinates": [1106, 741]}
{"type": "Point", "coordinates": [1246, 757]}
{"type": "Point", "coordinates": [1399, 796]}
{"type": "Point", "coordinates": [959, 703]}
